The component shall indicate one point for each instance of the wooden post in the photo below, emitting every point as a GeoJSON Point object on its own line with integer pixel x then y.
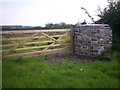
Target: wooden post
{"type": "Point", "coordinates": [72, 38]}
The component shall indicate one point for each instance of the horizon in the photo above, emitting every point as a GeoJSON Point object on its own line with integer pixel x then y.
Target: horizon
{"type": "Point", "coordinates": [27, 25]}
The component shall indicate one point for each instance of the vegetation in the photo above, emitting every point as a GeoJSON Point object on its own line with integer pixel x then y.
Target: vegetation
{"type": "Point", "coordinates": [39, 73]}
{"type": "Point", "coordinates": [61, 25]}
{"type": "Point", "coordinates": [88, 14]}
{"type": "Point", "coordinates": [111, 16]}
{"type": "Point", "coordinates": [0, 74]}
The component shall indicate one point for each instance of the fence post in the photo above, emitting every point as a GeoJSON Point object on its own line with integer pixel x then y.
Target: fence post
{"type": "Point", "coordinates": [72, 38]}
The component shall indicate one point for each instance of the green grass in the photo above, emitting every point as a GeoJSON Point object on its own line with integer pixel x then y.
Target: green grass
{"type": "Point", "coordinates": [0, 74]}
{"type": "Point", "coordinates": [38, 73]}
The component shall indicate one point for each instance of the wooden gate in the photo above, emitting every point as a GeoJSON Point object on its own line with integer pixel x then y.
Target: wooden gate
{"type": "Point", "coordinates": [32, 43]}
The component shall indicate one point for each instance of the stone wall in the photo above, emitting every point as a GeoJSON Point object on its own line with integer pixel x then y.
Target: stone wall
{"type": "Point", "coordinates": [92, 39]}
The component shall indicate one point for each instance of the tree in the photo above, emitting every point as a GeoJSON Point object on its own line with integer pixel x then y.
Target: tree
{"type": "Point", "coordinates": [61, 25]}
{"type": "Point", "coordinates": [49, 26]}
{"type": "Point", "coordinates": [111, 16]}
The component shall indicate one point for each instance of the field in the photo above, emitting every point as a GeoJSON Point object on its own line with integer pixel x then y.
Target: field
{"type": "Point", "coordinates": [46, 72]}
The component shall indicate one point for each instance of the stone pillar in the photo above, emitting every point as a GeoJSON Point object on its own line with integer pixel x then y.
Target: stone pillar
{"type": "Point", "coordinates": [92, 39]}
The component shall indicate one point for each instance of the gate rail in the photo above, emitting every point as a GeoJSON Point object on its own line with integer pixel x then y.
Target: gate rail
{"type": "Point", "coordinates": [32, 43]}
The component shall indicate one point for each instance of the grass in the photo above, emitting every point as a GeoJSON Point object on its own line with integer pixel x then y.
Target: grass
{"type": "Point", "coordinates": [38, 73]}
{"type": "Point", "coordinates": [0, 74]}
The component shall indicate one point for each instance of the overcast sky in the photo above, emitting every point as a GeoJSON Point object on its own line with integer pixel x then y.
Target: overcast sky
{"type": "Point", "coordinates": [40, 12]}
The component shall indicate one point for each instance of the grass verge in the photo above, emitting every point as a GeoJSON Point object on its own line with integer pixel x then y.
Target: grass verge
{"type": "Point", "coordinates": [36, 73]}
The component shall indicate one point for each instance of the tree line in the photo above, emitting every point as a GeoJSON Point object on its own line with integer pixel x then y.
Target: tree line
{"type": "Point", "coordinates": [61, 25]}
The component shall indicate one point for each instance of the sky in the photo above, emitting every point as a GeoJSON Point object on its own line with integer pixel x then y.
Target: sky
{"type": "Point", "coordinates": [41, 12]}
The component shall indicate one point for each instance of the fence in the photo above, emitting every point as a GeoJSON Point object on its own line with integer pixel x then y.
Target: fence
{"type": "Point", "coordinates": [32, 43]}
